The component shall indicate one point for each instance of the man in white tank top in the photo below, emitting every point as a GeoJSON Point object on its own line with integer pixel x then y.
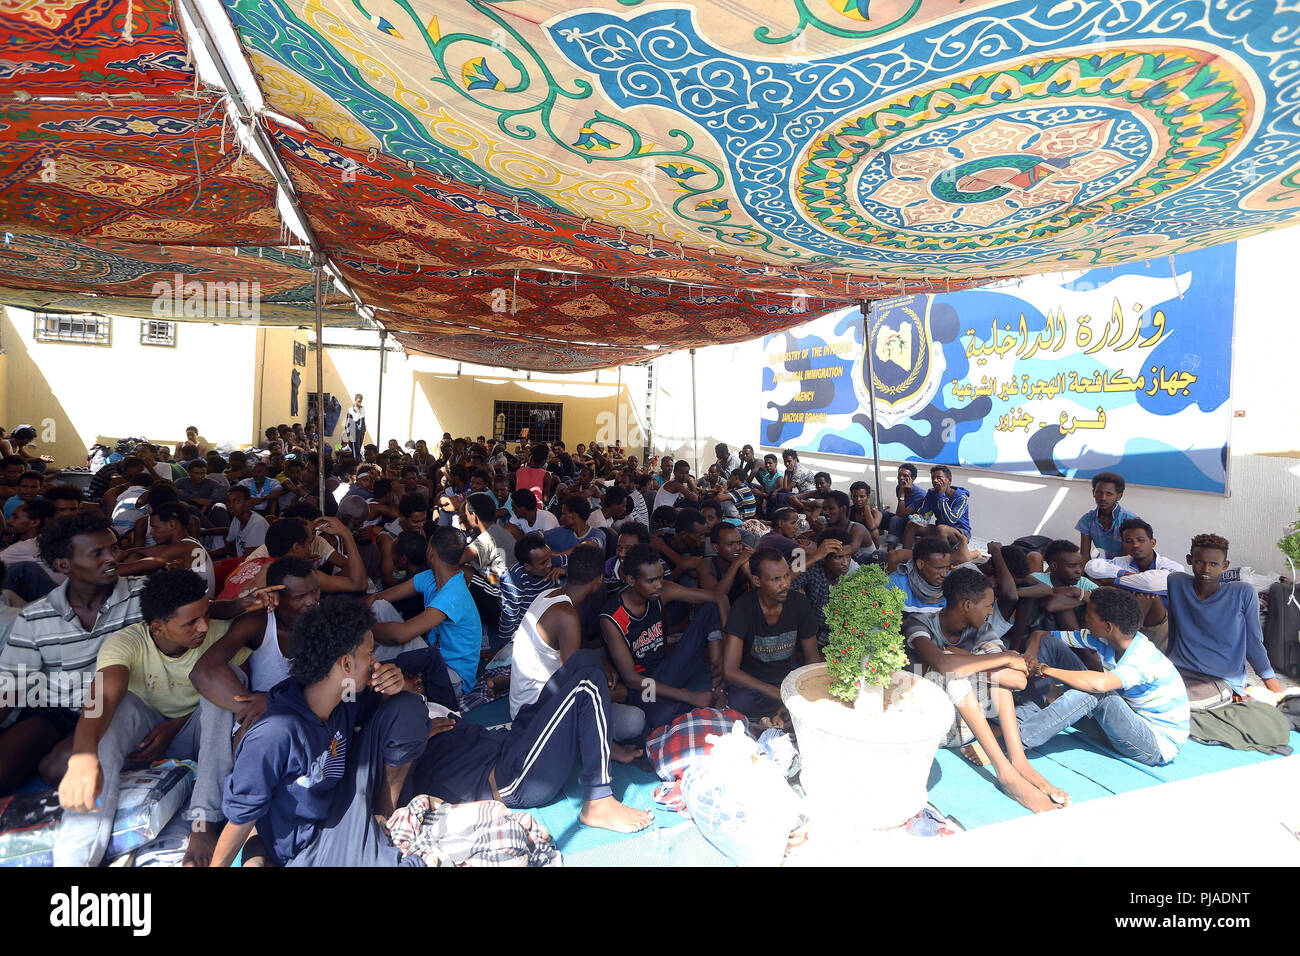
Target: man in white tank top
{"type": "Point", "coordinates": [551, 632]}
{"type": "Point", "coordinates": [268, 664]}
{"type": "Point", "coordinates": [168, 524]}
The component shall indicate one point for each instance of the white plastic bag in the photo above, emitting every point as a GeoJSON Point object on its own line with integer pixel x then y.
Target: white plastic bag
{"type": "Point", "coordinates": [738, 797]}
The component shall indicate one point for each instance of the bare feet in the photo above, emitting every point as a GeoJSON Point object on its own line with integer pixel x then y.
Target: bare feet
{"type": "Point", "coordinates": [976, 754]}
{"type": "Point", "coordinates": [608, 814]}
{"type": "Point", "coordinates": [1054, 793]}
{"type": "Point", "coordinates": [624, 754]}
{"type": "Point", "coordinates": [198, 852]}
{"type": "Point", "coordinates": [1024, 793]}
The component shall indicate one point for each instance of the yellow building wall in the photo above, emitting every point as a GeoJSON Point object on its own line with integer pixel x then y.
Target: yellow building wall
{"type": "Point", "coordinates": [4, 392]}
{"type": "Point", "coordinates": [233, 381]}
{"type": "Point", "coordinates": [273, 382]}
{"type": "Point", "coordinates": [73, 393]}
{"type": "Point", "coordinates": [424, 397]}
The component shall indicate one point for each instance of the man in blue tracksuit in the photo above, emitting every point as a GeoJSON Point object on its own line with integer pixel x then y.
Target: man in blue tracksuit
{"type": "Point", "coordinates": [332, 750]}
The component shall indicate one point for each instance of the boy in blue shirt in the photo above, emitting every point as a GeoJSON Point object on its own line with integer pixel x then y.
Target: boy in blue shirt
{"type": "Point", "coordinates": [450, 617]}
{"type": "Point", "coordinates": [1138, 699]}
{"type": "Point", "coordinates": [921, 579]}
{"type": "Point", "coordinates": [1102, 525]}
{"type": "Point", "coordinates": [910, 499]}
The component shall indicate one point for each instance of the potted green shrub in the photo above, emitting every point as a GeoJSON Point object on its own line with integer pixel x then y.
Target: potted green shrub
{"type": "Point", "coordinates": [865, 616]}
{"type": "Point", "coordinates": [867, 728]}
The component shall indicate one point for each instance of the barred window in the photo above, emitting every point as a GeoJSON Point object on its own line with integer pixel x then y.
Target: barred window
{"type": "Point", "coordinates": [544, 420]}
{"type": "Point", "coordinates": [300, 353]}
{"type": "Point", "coordinates": [157, 332]}
{"type": "Point", "coordinates": [73, 328]}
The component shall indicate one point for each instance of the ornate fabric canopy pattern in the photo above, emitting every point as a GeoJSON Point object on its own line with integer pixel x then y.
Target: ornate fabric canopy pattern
{"type": "Point", "coordinates": [427, 252]}
{"type": "Point", "coordinates": [160, 173]}
{"type": "Point", "coordinates": [558, 186]}
{"type": "Point", "coordinates": [93, 46]}
{"type": "Point", "coordinates": [518, 352]}
{"type": "Point", "coordinates": [965, 139]}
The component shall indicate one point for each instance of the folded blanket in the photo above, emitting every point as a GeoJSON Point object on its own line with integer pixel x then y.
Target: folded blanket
{"type": "Point", "coordinates": [483, 833]}
{"type": "Point", "coordinates": [673, 748]}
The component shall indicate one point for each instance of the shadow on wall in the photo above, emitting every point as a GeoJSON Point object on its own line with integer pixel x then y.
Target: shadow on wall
{"type": "Point", "coordinates": [705, 446]}
{"type": "Point", "coordinates": [30, 400]}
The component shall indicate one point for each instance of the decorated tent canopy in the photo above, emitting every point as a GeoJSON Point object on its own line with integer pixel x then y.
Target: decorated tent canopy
{"type": "Point", "coordinates": [560, 185]}
{"type": "Point", "coordinates": [146, 172]}
{"type": "Point", "coordinates": [245, 286]}
{"type": "Point", "coordinates": [137, 200]}
{"type": "Point", "coordinates": [132, 47]}
{"type": "Point", "coordinates": [977, 138]}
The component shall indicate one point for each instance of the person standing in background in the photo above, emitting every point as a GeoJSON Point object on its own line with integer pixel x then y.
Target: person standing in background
{"type": "Point", "coordinates": [354, 427]}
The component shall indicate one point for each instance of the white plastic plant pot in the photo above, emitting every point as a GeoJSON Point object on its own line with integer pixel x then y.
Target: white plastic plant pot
{"type": "Point", "coordinates": [865, 768]}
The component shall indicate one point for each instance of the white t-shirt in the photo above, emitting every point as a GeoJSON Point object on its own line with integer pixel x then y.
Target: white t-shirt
{"type": "Point", "coordinates": [201, 564]}
{"type": "Point", "coordinates": [126, 511]}
{"type": "Point", "coordinates": [491, 559]}
{"type": "Point", "coordinates": [597, 519]}
{"type": "Point", "coordinates": [247, 538]}
{"type": "Point", "coordinates": [545, 521]}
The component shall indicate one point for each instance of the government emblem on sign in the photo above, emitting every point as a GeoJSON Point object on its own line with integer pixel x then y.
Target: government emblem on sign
{"type": "Point", "coordinates": [907, 365]}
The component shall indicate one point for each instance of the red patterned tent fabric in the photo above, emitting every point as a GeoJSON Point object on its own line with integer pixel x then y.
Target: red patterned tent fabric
{"type": "Point", "coordinates": [150, 172]}
{"type": "Point", "coordinates": [295, 313]}
{"type": "Point", "coordinates": [515, 351]}
{"type": "Point", "coordinates": [50, 47]}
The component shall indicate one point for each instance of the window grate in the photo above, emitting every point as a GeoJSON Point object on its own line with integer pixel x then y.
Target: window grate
{"type": "Point", "coordinates": [544, 421]}
{"type": "Point", "coordinates": [300, 353]}
{"type": "Point", "coordinates": [157, 332]}
{"type": "Point", "coordinates": [73, 329]}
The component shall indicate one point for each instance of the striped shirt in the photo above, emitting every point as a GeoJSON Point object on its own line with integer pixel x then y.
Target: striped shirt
{"type": "Point", "coordinates": [1150, 684]}
{"type": "Point", "coordinates": [744, 499]}
{"type": "Point", "coordinates": [48, 638]}
{"type": "Point", "coordinates": [518, 589]}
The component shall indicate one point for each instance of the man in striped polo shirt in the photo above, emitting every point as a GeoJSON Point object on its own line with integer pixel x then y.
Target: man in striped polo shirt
{"type": "Point", "coordinates": [48, 663]}
{"type": "Point", "coordinates": [46, 667]}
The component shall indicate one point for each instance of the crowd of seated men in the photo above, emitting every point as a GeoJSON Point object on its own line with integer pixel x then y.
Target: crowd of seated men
{"type": "Point", "coordinates": [291, 628]}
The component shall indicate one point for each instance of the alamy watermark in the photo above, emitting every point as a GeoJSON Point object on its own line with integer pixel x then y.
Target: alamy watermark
{"type": "Point", "coordinates": [37, 689]}
{"type": "Point", "coordinates": [177, 298]}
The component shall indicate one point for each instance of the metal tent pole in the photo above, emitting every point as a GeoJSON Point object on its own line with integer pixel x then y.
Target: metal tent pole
{"type": "Point", "coordinates": [195, 12]}
{"type": "Point", "coordinates": [865, 308]}
{"type": "Point", "coordinates": [695, 432]}
{"type": "Point", "coordinates": [379, 415]}
{"type": "Point", "coordinates": [318, 267]}
{"type": "Point", "coordinates": [651, 399]}
{"type": "Point", "coordinates": [618, 405]}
